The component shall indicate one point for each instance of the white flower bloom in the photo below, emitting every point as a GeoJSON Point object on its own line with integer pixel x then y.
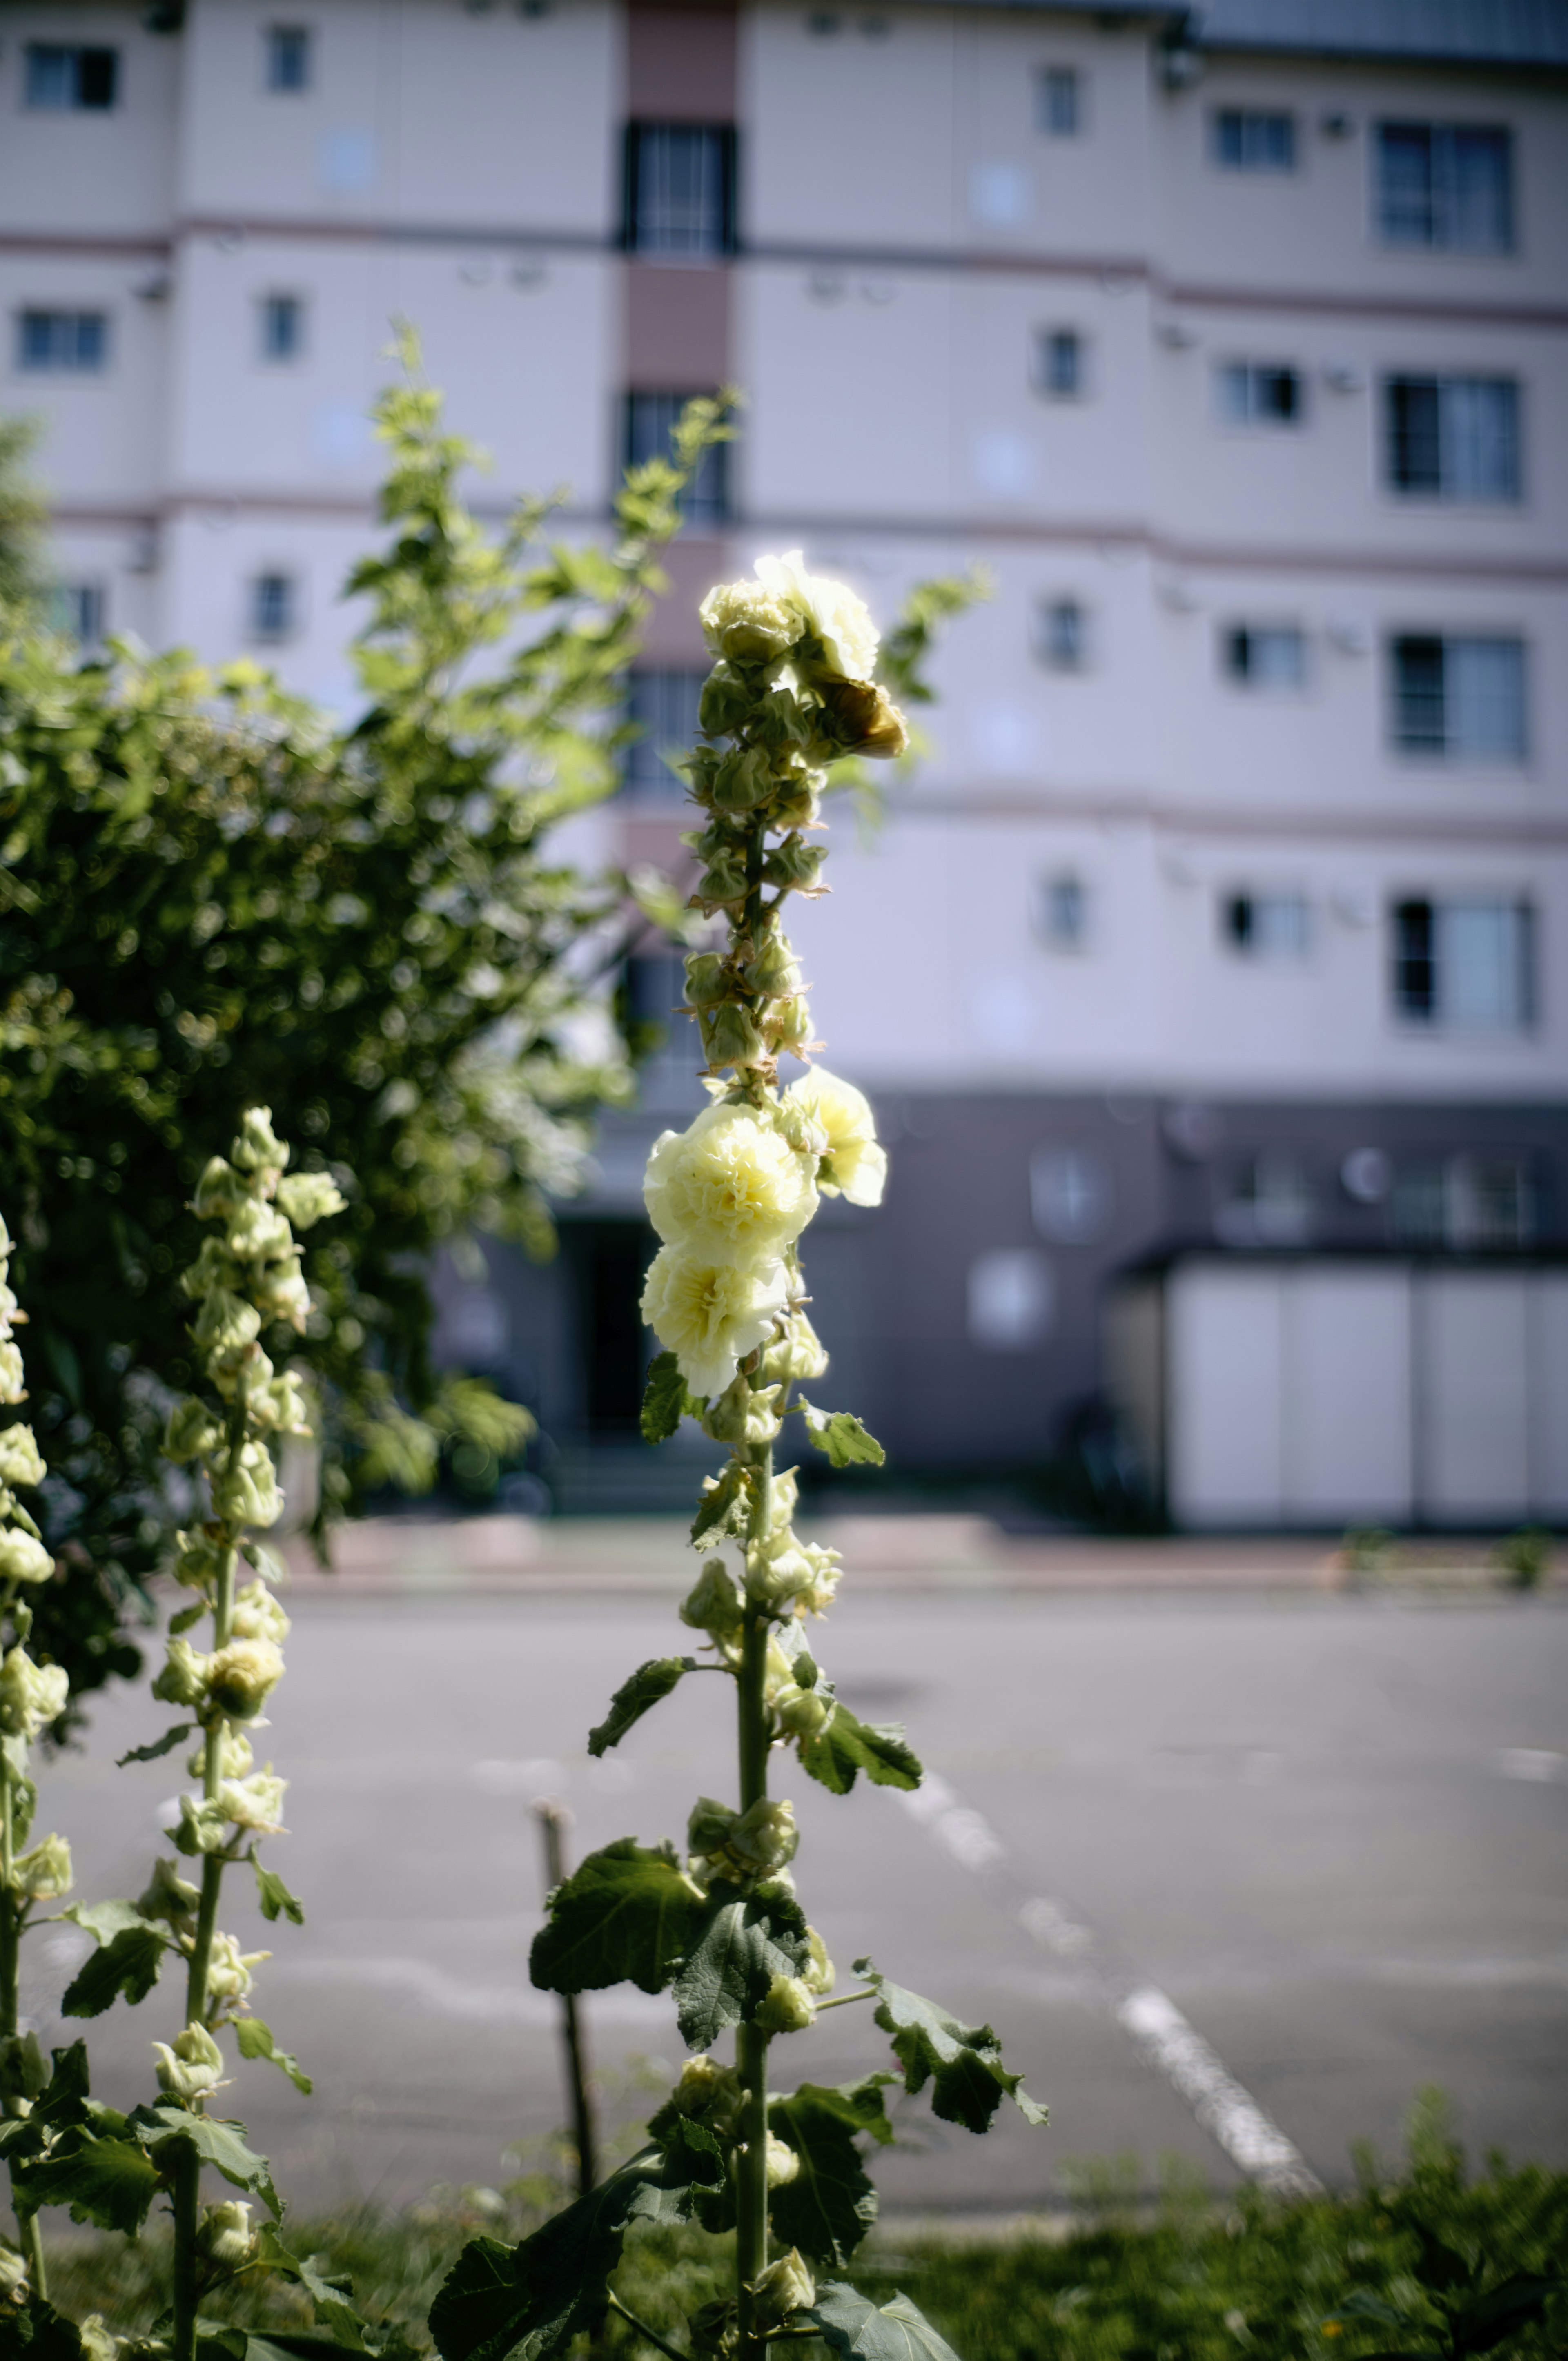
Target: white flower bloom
{"type": "Point", "coordinates": [228, 1968]}
{"type": "Point", "coordinates": [22, 1559]}
{"type": "Point", "coordinates": [12, 1390]}
{"type": "Point", "coordinates": [190, 2068]}
{"type": "Point", "coordinates": [256, 1802]}
{"type": "Point", "coordinates": [838, 617]}
{"type": "Point", "coordinates": [854, 1162]}
{"type": "Point", "coordinates": [44, 1874]}
{"type": "Point", "coordinates": [711, 1315]}
{"type": "Point", "coordinates": [730, 1189]}
{"type": "Point", "coordinates": [30, 1695]}
{"type": "Point", "coordinates": [257, 1615]}
{"type": "Point", "coordinates": [21, 1462]}
{"type": "Point", "coordinates": [226, 2237]}
{"type": "Point", "coordinates": [241, 1677]}
{"type": "Point", "coordinates": [309, 1197]}
{"type": "Point", "coordinates": [745, 623]}
{"type": "Point", "coordinates": [785, 2286]}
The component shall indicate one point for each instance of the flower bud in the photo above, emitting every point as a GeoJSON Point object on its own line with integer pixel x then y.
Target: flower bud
{"type": "Point", "coordinates": [228, 1968]}
{"type": "Point", "coordinates": [23, 1559]}
{"type": "Point", "coordinates": [12, 1390]}
{"type": "Point", "coordinates": [192, 2066]}
{"type": "Point", "coordinates": [235, 1756]}
{"type": "Point", "coordinates": [202, 1827]}
{"type": "Point", "coordinates": [783, 2163]}
{"type": "Point", "coordinates": [99, 2341]}
{"type": "Point", "coordinates": [256, 1232]}
{"type": "Point", "coordinates": [307, 1198]}
{"type": "Point", "coordinates": [795, 864]}
{"type": "Point", "coordinates": [803, 1713]}
{"type": "Point", "coordinates": [765, 1836]}
{"type": "Point", "coordinates": [193, 1432]}
{"type": "Point", "coordinates": [799, 803]}
{"type": "Point", "coordinates": [20, 1459]}
{"type": "Point", "coordinates": [245, 1492]}
{"type": "Point", "coordinates": [788, 2006]}
{"type": "Point", "coordinates": [241, 1677]}
{"type": "Point", "coordinates": [740, 1415]}
{"type": "Point", "coordinates": [797, 1354]}
{"type": "Point", "coordinates": [43, 1873]}
{"type": "Point", "coordinates": [730, 1036]}
{"type": "Point", "coordinates": [225, 1322]}
{"type": "Point", "coordinates": [256, 1802]}
{"type": "Point", "coordinates": [707, 981]}
{"type": "Point", "coordinates": [285, 1409]}
{"type": "Point", "coordinates": [258, 1148]}
{"type": "Point", "coordinates": [13, 2285]}
{"type": "Point", "coordinates": [281, 1292]}
{"type": "Point", "coordinates": [170, 1897]}
{"type": "Point", "coordinates": [784, 2287]}
{"type": "Point", "coordinates": [183, 1680]}
{"type": "Point", "coordinates": [787, 1024]}
{"type": "Point", "coordinates": [713, 1604]}
{"type": "Point", "coordinates": [23, 2073]}
{"type": "Point", "coordinates": [777, 1571]}
{"type": "Point", "coordinates": [709, 1825]}
{"type": "Point", "coordinates": [818, 1594]}
{"type": "Point", "coordinates": [818, 1975]}
{"type": "Point", "coordinates": [30, 1695]}
{"type": "Point", "coordinates": [197, 1559]}
{"type": "Point", "coordinates": [772, 968]}
{"type": "Point", "coordinates": [218, 1191]}
{"type": "Point", "coordinates": [864, 720]}
{"type": "Point", "coordinates": [709, 2094]}
{"type": "Point", "coordinates": [257, 1615]}
{"type": "Point", "coordinates": [724, 704]}
{"type": "Point", "coordinates": [225, 2237]}
{"type": "Point", "coordinates": [742, 780]}
{"type": "Point", "coordinates": [723, 881]}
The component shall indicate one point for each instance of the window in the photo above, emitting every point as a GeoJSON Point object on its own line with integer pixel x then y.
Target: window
{"type": "Point", "coordinates": [1464, 697]}
{"type": "Point", "coordinates": [1061, 634]}
{"type": "Point", "coordinates": [288, 56]}
{"type": "Point", "coordinates": [1268, 656]}
{"type": "Point", "coordinates": [1470, 1203]}
{"type": "Point", "coordinates": [1070, 1195]}
{"type": "Point", "coordinates": [649, 419]}
{"type": "Point", "coordinates": [663, 707]}
{"type": "Point", "coordinates": [1445, 185]}
{"type": "Point", "coordinates": [77, 612]}
{"type": "Point", "coordinates": [1247, 140]}
{"type": "Point", "coordinates": [1259, 393]}
{"type": "Point", "coordinates": [1272, 926]}
{"type": "Point", "coordinates": [1469, 963]}
{"type": "Point", "coordinates": [273, 605]}
{"type": "Point", "coordinates": [680, 189]}
{"type": "Point", "coordinates": [1268, 1202]}
{"type": "Point", "coordinates": [1059, 102]}
{"type": "Point", "coordinates": [281, 322]}
{"type": "Point", "coordinates": [664, 1042]}
{"type": "Point", "coordinates": [76, 342]}
{"type": "Point", "coordinates": [62, 76]}
{"type": "Point", "coordinates": [1059, 371]}
{"type": "Point", "coordinates": [1454, 436]}
{"type": "Point", "coordinates": [1060, 911]}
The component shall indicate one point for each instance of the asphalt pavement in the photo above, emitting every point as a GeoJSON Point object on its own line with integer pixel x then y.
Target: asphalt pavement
{"type": "Point", "coordinates": [1326, 1835]}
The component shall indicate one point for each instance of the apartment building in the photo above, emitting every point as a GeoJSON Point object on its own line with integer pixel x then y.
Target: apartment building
{"type": "Point", "coordinates": [1222, 928]}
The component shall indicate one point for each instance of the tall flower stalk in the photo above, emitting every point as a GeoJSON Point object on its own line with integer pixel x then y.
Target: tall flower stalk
{"type": "Point", "coordinates": [792, 690]}
{"type": "Point", "coordinates": [31, 1695]}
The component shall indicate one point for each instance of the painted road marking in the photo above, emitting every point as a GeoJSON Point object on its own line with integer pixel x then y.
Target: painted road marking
{"type": "Point", "coordinates": [1229, 2114]}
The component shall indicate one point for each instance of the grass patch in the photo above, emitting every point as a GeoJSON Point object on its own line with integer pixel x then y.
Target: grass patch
{"type": "Point", "coordinates": [1390, 2267]}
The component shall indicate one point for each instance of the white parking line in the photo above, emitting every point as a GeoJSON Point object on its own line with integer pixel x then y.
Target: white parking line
{"type": "Point", "coordinates": [1230, 2114]}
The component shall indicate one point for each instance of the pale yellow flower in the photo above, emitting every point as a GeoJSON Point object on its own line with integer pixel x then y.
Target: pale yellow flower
{"type": "Point", "coordinates": [839, 620]}
{"type": "Point", "coordinates": [731, 1188]}
{"type": "Point", "coordinates": [852, 1162]}
{"type": "Point", "coordinates": [711, 1315]}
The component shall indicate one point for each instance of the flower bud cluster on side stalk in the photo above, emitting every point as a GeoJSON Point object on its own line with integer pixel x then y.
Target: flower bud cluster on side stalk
{"type": "Point", "coordinates": [719, 1922]}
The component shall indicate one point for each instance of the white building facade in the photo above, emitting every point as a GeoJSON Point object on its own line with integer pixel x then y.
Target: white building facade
{"type": "Point", "coordinates": [1228, 909]}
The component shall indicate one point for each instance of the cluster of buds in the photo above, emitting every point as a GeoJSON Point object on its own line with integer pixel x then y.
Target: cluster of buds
{"type": "Point", "coordinates": [31, 1694]}
{"type": "Point", "coordinates": [23, 1557]}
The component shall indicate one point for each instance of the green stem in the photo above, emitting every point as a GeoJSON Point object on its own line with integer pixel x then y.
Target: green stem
{"type": "Point", "coordinates": [187, 2207]}
{"type": "Point", "coordinates": [28, 2233]}
{"type": "Point", "coordinates": [750, 2041]}
{"type": "Point", "coordinates": [847, 1999]}
{"type": "Point", "coordinates": [642, 2328]}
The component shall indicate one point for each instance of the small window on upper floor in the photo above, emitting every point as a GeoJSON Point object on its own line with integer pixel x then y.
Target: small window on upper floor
{"type": "Point", "coordinates": [1259, 393]}
{"type": "Point", "coordinates": [74, 343]}
{"type": "Point", "coordinates": [1445, 185]}
{"type": "Point", "coordinates": [1454, 437]}
{"type": "Point", "coordinates": [1253, 139]}
{"type": "Point", "coordinates": [1460, 697]}
{"type": "Point", "coordinates": [662, 705]}
{"type": "Point", "coordinates": [1058, 909]}
{"type": "Point", "coordinates": [1061, 634]}
{"type": "Point", "coordinates": [288, 58]}
{"type": "Point", "coordinates": [77, 610]}
{"type": "Point", "coordinates": [1264, 655]}
{"type": "Point", "coordinates": [64, 76]}
{"type": "Point", "coordinates": [1468, 962]}
{"type": "Point", "coordinates": [1059, 102]}
{"type": "Point", "coordinates": [649, 419]}
{"type": "Point", "coordinates": [274, 606]}
{"type": "Point", "coordinates": [680, 188]}
{"type": "Point", "coordinates": [1060, 364]}
{"type": "Point", "coordinates": [1268, 927]}
{"type": "Point", "coordinates": [281, 327]}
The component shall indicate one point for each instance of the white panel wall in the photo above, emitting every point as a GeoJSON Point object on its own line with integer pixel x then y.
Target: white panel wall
{"type": "Point", "coordinates": [1547, 1317]}
{"type": "Point", "coordinates": [1227, 1407]}
{"type": "Point", "coordinates": [1346, 1395]}
{"type": "Point", "coordinates": [1473, 1376]}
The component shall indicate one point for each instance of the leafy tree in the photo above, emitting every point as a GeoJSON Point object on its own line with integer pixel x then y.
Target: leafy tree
{"type": "Point", "coordinates": [21, 517]}
{"type": "Point", "coordinates": [213, 895]}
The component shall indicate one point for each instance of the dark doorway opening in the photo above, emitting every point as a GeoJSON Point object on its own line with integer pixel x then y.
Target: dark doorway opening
{"type": "Point", "coordinates": [609, 1260]}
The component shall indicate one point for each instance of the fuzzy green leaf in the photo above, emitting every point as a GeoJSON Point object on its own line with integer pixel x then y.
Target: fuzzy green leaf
{"type": "Point", "coordinates": [255, 2041]}
{"type": "Point", "coordinates": [626, 1915]}
{"type": "Point", "coordinates": [962, 2063]}
{"type": "Point", "coordinates": [333, 2298]}
{"type": "Point", "coordinates": [111, 2183]}
{"type": "Point", "coordinates": [167, 1742]}
{"type": "Point", "coordinates": [848, 1745]}
{"type": "Point", "coordinates": [842, 1437]}
{"type": "Point", "coordinates": [849, 2322]}
{"type": "Point", "coordinates": [735, 1950]}
{"type": "Point", "coordinates": [636, 1696]}
{"type": "Point", "coordinates": [128, 1963]}
{"type": "Point", "coordinates": [64, 2099]}
{"type": "Point", "coordinates": [217, 2143]}
{"type": "Point", "coordinates": [664, 1400]}
{"type": "Point", "coordinates": [36, 2330]}
{"type": "Point", "coordinates": [722, 1509]}
{"type": "Point", "coordinates": [830, 2204]}
{"type": "Point", "coordinates": [275, 1898]}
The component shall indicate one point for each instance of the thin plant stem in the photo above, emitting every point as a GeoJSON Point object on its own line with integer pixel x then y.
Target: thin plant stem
{"type": "Point", "coordinates": [642, 2328]}
{"type": "Point", "coordinates": [847, 1999]}
{"type": "Point", "coordinates": [750, 2041]}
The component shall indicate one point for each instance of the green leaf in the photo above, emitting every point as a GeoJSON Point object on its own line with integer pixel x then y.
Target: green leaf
{"type": "Point", "coordinates": [333, 2298]}
{"type": "Point", "coordinates": [128, 1963]}
{"type": "Point", "coordinates": [104, 1920]}
{"type": "Point", "coordinates": [830, 2204]}
{"type": "Point", "coordinates": [723, 1506]}
{"type": "Point", "coordinates": [1482, 2322]}
{"type": "Point", "coordinates": [255, 2041]}
{"type": "Point", "coordinates": [111, 2183]}
{"type": "Point", "coordinates": [664, 1400]}
{"type": "Point", "coordinates": [276, 1897]}
{"type": "Point", "coordinates": [849, 2322]}
{"type": "Point", "coordinates": [217, 2143]}
{"type": "Point", "coordinates": [848, 1745]}
{"type": "Point", "coordinates": [636, 1696]}
{"type": "Point", "coordinates": [738, 1944]}
{"type": "Point", "coordinates": [627, 1915]}
{"type": "Point", "coordinates": [531, 2300]}
{"type": "Point", "coordinates": [64, 2098]}
{"type": "Point", "coordinates": [962, 2063]}
{"type": "Point", "coordinates": [171, 1738]}
{"type": "Point", "coordinates": [842, 1437]}
{"type": "Point", "coordinates": [37, 2330]}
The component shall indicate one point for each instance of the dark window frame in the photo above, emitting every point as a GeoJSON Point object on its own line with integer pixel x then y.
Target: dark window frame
{"type": "Point", "coordinates": [1230, 154]}
{"type": "Point", "coordinates": [1441, 204]}
{"type": "Point", "coordinates": [1417, 431]}
{"type": "Point", "coordinates": [42, 354]}
{"type": "Point", "coordinates": [94, 78]}
{"type": "Point", "coordinates": [726, 239]}
{"type": "Point", "coordinates": [1060, 112]}
{"type": "Point", "coordinates": [650, 703]}
{"type": "Point", "coordinates": [1424, 712]}
{"type": "Point", "coordinates": [1050, 344]}
{"type": "Point", "coordinates": [290, 67]}
{"type": "Point", "coordinates": [707, 499]}
{"type": "Point", "coordinates": [1416, 976]}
